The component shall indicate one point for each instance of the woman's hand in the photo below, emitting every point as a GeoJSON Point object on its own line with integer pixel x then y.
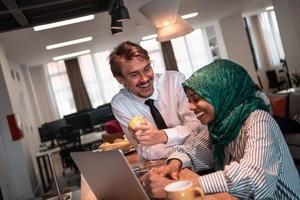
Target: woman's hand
{"type": "Point", "coordinates": [157, 178]}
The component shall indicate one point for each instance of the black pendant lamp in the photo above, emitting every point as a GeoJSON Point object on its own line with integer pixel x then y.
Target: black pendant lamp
{"type": "Point", "coordinates": [122, 13]}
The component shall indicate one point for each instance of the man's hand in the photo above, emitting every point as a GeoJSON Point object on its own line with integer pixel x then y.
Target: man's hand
{"type": "Point", "coordinates": [156, 183]}
{"type": "Point", "coordinates": [147, 134]}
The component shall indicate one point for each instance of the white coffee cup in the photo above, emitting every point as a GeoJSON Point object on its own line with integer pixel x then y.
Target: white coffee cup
{"type": "Point", "coordinates": [182, 190]}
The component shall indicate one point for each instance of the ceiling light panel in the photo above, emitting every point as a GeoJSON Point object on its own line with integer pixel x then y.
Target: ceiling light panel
{"type": "Point", "coordinates": [270, 8]}
{"type": "Point", "coordinates": [63, 23]}
{"type": "Point", "coordinates": [68, 43]}
{"type": "Point", "coordinates": [75, 54]}
{"type": "Point", "coordinates": [190, 15]}
{"type": "Point", "coordinates": [148, 37]}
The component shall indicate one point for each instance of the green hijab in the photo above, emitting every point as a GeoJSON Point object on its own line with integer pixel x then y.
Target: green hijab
{"type": "Point", "coordinates": [228, 87]}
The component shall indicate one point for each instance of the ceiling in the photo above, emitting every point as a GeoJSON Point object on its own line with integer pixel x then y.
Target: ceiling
{"type": "Point", "coordinates": [17, 14]}
{"type": "Point", "coordinates": [26, 47]}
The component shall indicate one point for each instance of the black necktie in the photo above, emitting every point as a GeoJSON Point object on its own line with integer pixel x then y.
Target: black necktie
{"type": "Point", "coordinates": [159, 120]}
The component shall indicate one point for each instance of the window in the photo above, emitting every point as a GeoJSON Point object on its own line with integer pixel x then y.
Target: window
{"type": "Point", "coordinates": [109, 86]}
{"type": "Point", "coordinates": [98, 79]}
{"type": "Point", "coordinates": [271, 37]}
{"type": "Point", "coordinates": [266, 39]}
{"type": "Point", "coordinates": [154, 50]}
{"type": "Point", "coordinates": [90, 80]}
{"type": "Point", "coordinates": [191, 52]}
{"type": "Point", "coordinates": [61, 88]}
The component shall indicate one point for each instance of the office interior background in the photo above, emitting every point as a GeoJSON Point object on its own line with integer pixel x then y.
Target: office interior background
{"type": "Point", "coordinates": [37, 89]}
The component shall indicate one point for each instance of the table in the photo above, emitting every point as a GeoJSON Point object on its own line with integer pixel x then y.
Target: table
{"type": "Point", "coordinates": [290, 90]}
{"type": "Point", "coordinates": [43, 161]}
{"type": "Point", "coordinates": [87, 194]}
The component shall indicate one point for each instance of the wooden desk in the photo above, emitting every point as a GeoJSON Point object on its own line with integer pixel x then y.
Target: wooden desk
{"type": "Point", "coordinates": [87, 194]}
{"type": "Point", "coordinates": [44, 163]}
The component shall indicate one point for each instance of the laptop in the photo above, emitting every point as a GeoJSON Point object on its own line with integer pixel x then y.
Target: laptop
{"type": "Point", "coordinates": [109, 175]}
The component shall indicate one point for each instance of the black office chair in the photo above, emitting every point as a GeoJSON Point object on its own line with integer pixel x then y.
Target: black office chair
{"type": "Point", "coordinates": [68, 139]}
{"type": "Point", "coordinates": [274, 83]}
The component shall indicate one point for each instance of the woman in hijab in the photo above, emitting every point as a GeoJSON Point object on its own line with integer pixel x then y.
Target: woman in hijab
{"type": "Point", "coordinates": [243, 143]}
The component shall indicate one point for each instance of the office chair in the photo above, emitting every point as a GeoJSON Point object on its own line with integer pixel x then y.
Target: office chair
{"type": "Point", "coordinates": [273, 80]}
{"type": "Point", "coordinates": [113, 130]}
{"type": "Point", "coordinates": [113, 127]}
{"type": "Point", "coordinates": [68, 139]}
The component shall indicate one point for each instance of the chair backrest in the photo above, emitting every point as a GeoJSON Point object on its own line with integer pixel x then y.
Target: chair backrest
{"type": "Point", "coordinates": [68, 139]}
{"type": "Point", "coordinates": [112, 126]}
{"type": "Point", "coordinates": [273, 80]}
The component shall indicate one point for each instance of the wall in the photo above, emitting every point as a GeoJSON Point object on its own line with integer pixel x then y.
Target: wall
{"type": "Point", "coordinates": [19, 180]}
{"type": "Point", "coordinates": [236, 42]}
{"type": "Point", "coordinates": [288, 15]}
{"type": "Point", "coordinates": [42, 98]}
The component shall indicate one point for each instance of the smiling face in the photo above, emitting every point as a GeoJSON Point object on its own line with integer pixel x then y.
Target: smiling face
{"type": "Point", "coordinates": [203, 110]}
{"type": "Point", "coordinates": [137, 77]}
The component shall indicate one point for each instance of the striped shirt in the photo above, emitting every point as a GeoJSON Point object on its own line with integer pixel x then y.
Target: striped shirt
{"type": "Point", "coordinates": [258, 164]}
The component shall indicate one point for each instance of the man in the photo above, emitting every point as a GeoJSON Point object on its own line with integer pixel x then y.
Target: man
{"type": "Point", "coordinates": [130, 65]}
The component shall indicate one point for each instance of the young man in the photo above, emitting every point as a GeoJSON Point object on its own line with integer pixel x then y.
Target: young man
{"type": "Point", "coordinates": [131, 66]}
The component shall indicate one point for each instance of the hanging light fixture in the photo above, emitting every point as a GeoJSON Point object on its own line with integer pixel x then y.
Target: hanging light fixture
{"type": "Point", "coordinates": [119, 13]}
{"type": "Point", "coordinates": [160, 12]}
{"type": "Point", "coordinates": [116, 31]}
{"type": "Point", "coordinates": [115, 24]}
{"type": "Point", "coordinates": [174, 30]}
{"type": "Point", "coordinates": [164, 16]}
{"type": "Point", "coordinates": [122, 13]}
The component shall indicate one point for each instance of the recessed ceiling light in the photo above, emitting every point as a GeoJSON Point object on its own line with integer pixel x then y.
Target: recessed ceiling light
{"type": "Point", "coordinates": [190, 15]}
{"type": "Point", "coordinates": [63, 23]}
{"type": "Point", "coordinates": [68, 43]}
{"type": "Point", "coordinates": [269, 8]}
{"type": "Point", "coordinates": [148, 37]}
{"type": "Point", "coordinates": [71, 55]}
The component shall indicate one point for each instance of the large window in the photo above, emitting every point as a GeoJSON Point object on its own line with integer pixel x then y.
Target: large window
{"type": "Point", "coordinates": [154, 50]}
{"type": "Point", "coordinates": [61, 88]}
{"type": "Point", "coordinates": [271, 36]}
{"type": "Point", "coordinates": [109, 86]}
{"type": "Point", "coordinates": [89, 77]}
{"type": "Point", "coordinates": [266, 39]}
{"type": "Point", "coordinates": [191, 52]}
{"type": "Point", "coordinates": [98, 79]}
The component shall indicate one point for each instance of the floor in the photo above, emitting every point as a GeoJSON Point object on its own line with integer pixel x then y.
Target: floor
{"type": "Point", "coordinates": [68, 182]}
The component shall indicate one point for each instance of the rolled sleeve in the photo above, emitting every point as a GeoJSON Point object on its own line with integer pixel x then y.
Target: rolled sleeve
{"type": "Point", "coordinates": [214, 182]}
{"type": "Point", "coordinates": [184, 158]}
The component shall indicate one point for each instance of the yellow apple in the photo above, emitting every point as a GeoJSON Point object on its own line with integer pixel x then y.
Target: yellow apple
{"type": "Point", "coordinates": [137, 120]}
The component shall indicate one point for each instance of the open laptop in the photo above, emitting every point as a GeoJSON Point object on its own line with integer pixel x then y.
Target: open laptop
{"type": "Point", "coordinates": [109, 175]}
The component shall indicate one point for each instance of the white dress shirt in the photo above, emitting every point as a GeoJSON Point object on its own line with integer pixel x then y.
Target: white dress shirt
{"type": "Point", "coordinates": [171, 101]}
{"type": "Point", "coordinates": [258, 164]}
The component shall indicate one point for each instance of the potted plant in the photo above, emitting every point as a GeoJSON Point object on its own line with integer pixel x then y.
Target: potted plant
{"type": "Point", "coordinates": [296, 79]}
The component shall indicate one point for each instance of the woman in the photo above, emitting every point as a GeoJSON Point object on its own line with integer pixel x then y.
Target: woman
{"type": "Point", "coordinates": [243, 142]}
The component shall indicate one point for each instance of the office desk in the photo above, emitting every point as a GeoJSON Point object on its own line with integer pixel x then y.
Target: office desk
{"type": "Point", "coordinates": [87, 194]}
{"type": "Point", "coordinates": [43, 161]}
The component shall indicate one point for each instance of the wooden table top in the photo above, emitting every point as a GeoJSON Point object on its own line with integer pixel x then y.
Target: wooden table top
{"type": "Point", "coordinates": [87, 194]}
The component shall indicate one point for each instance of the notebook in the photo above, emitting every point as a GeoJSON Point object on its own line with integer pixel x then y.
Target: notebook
{"type": "Point", "coordinates": [109, 175]}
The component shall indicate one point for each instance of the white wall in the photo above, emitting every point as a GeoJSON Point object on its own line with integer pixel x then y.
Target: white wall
{"type": "Point", "coordinates": [16, 161]}
{"type": "Point", "coordinates": [236, 43]}
{"type": "Point", "coordinates": [288, 15]}
{"type": "Point", "coordinates": [42, 98]}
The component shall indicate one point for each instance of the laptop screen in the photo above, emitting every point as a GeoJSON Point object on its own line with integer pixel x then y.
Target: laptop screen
{"type": "Point", "coordinates": [109, 175]}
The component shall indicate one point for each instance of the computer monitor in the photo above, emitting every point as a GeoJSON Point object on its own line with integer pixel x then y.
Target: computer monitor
{"type": "Point", "coordinates": [80, 121]}
{"type": "Point", "coordinates": [101, 114]}
{"type": "Point", "coordinates": [51, 129]}
{"type": "Point", "coordinates": [43, 134]}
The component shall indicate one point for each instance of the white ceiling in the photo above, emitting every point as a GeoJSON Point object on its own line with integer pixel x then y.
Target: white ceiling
{"type": "Point", "coordinates": [27, 47]}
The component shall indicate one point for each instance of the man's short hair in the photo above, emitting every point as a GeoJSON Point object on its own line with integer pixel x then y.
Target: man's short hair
{"type": "Point", "coordinates": [126, 51]}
